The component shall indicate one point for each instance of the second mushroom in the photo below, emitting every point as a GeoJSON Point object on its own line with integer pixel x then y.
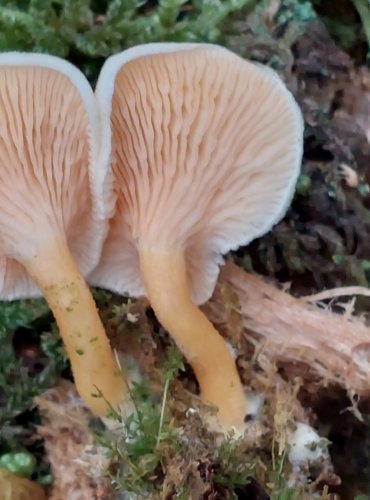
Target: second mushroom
{"type": "Point", "coordinates": [207, 150]}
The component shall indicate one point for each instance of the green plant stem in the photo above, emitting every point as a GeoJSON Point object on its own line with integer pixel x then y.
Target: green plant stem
{"type": "Point", "coordinates": [163, 407]}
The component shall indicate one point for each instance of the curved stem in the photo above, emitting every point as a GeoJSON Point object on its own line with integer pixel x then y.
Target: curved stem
{"type": "Point", "coordinates": [165, 280]}
{"type": "Point", "coordinates": [96, 372]}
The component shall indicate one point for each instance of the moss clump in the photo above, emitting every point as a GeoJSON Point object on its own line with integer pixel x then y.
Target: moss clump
{"type": "Point", "coordinates": [87, 31]}
{"type": "Point", "coordinates": [29, 363]}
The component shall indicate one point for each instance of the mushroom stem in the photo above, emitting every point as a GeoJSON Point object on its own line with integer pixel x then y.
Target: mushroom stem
{"type": "Point", "coordinates": [94, 367]}
{"type": "Point", "coordinates": [164, 274]}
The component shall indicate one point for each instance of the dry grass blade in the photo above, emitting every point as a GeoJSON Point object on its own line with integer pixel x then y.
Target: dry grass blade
{"type": "Point", "coordinates": [337, 292]}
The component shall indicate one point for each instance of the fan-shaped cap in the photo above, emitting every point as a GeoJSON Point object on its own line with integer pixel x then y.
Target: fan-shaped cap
{"type": "Point", "coordinates": [54, 179]}
{"type": "Point", "coordinates": [207, 150]}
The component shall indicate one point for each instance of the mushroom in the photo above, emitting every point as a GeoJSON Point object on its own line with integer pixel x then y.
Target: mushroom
{"type": "Point", "coordinates": [53, 179]}
{"type": "Point", "coordinates": [206, 153]}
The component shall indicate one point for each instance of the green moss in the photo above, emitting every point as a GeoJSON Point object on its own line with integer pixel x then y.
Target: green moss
{"type": "Point", "coordinates": [303, 185]}
{"type": "Point", "coordinates": [20, 313]}
{"type": "Point", "coordinates": [19, 383]}
{"type": "Point", "coordinates": [235, 470]}
{"type": "Point", "coordinates": [87, 31]}
{"type": "Point", "coordinates": [295, 11]}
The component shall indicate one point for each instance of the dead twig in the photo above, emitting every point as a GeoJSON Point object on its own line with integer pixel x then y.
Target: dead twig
{"type": "Point", "coordinates": [335, 347]}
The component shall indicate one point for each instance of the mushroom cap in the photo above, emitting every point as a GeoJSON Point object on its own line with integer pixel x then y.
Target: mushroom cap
{"type": "Point", "coordinates": [207, 149]}
{"type": "Point", "coordinates": [54, 168]}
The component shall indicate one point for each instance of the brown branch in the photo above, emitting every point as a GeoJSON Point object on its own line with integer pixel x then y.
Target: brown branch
{"type": "Point", "coordinates": [335, 347]}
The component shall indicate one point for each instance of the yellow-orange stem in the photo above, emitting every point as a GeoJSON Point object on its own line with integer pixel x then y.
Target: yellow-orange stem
{"type": "Point", "coordinates": [15, 487]}
{"type": "Point", "coordinates": [93, 364]}
{"type": "Point", "coordinates": [166, 284]}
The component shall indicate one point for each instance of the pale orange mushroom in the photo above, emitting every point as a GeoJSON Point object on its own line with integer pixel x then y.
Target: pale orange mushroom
{"type": "Point", "coordinates": [207, 149]}
{"type": "Point", "coordinates": [53, 181]}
